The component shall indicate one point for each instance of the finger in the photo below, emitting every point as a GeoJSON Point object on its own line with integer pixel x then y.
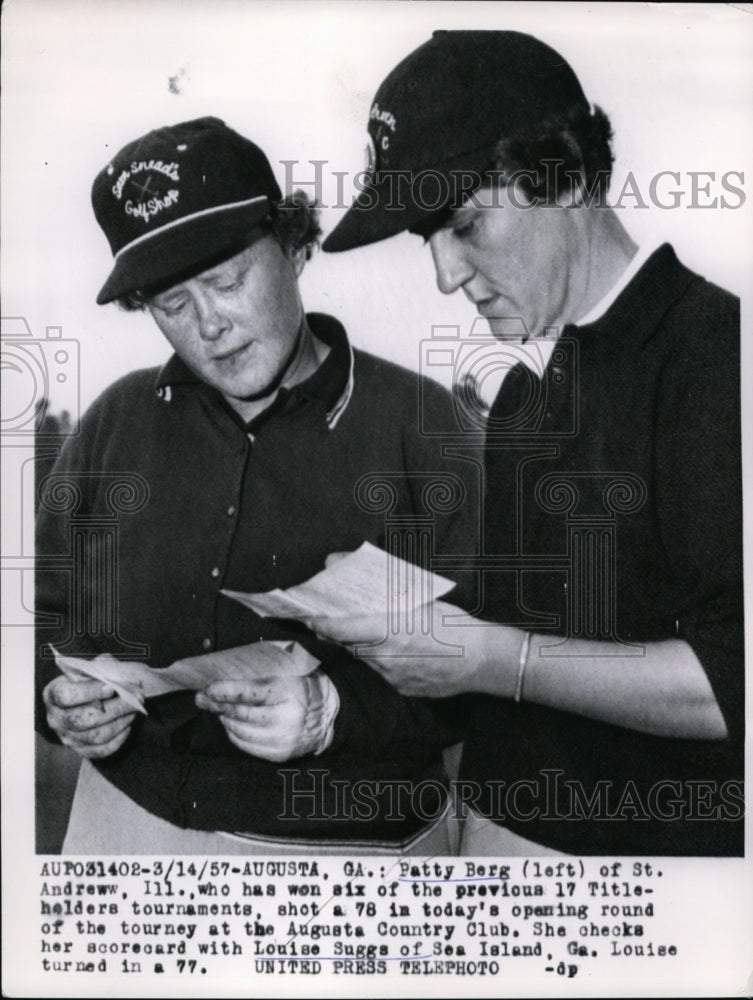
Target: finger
{"type": "Point", "coordinates": [63, 693]}
{"type": "Point", "coordinates": [274, 746]}
{"type": "Point", "coordinates": [83, 722]}
{"type": "Point", "coordinates": [208, 704]}
{"type": "Point", "coordinates": [99, 736]}
{"type": "Point", "coordinates": [219, 707]}
{"type": "Point", "coordinates": [83, 718]}
{"type": "Point", "coordinates": [248, 733]}
{"type": "Point", "coordinates": [254, 715]}
{"type": "Point", "coordinates": [98, 752]}
{"type": "Point", "coordinates": [288, 717]}
{"type": "Point", "coordinates": [261, 692]}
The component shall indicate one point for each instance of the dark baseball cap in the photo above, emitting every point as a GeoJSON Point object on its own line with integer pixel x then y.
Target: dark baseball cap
{"type": "Point", "coordinates": [178, 197]}
{"type": "Point", "coordinates": [436, 119]}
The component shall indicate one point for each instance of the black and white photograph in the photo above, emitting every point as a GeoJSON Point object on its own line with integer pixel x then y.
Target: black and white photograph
{"type": "Point", "coordinates": [375, 498]}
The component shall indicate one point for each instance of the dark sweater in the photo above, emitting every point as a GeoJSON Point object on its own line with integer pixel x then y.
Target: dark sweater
{"type": "Point", "coordinates": [224, 508]}
{"type": "Point", "coordinates": [637, 422]}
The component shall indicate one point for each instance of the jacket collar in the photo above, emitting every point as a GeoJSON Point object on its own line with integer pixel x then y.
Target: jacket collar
{"type": "Point", "coordinates": [639, 309]}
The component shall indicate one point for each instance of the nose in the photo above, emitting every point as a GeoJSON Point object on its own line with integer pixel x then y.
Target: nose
{"type": "Point", "coordinates": [213, 321]}
{"type": "Point", "coordinates": [450, 263]}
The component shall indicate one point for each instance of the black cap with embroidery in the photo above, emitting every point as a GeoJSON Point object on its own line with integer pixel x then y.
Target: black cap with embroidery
{"type": "Point", "coordinates": [437, 118]}
{"type": "Point", "coordinates": [177, 197]}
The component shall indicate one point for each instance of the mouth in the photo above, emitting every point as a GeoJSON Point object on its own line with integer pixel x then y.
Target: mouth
{"type": "Point", "coordinates": [231, 355]}
{"type": "Point", "coordinates": [486, 308]}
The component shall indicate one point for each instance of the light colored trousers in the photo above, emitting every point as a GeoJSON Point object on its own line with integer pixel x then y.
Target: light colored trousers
{"type": "Point", "coordinates": [105, 821]}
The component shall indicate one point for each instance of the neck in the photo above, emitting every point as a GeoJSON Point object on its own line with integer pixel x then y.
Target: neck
{"type": "Point", "coordinates": [305, 358]}
{"type": "Point", "coordinates": [607, 251]}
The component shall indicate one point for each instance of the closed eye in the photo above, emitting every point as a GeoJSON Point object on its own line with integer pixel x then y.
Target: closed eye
{"type": "Point", "coordinates": [465, 229]}
{"type": "Point", "coordinates": [171, 308]}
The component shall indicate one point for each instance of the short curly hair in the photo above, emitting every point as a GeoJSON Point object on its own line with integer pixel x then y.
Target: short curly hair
{"type": "Point", "coordinates": [294, 222]}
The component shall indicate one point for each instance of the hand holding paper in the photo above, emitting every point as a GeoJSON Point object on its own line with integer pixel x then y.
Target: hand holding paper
{"type": "Point", "coordinates": [134, 682]}
{"type": "Point", "coordinates": [270, 698]}
{"type": "Point", "coordinates": [276, 719]}
{"type": "Point", "coordinates": [88, 715]}
{"type": "Point", "coordinates": [367, 581]}
{"type": "Point", "coordinates": [437, 661]}
{"type": "Point", "coordinates": [128, 680]}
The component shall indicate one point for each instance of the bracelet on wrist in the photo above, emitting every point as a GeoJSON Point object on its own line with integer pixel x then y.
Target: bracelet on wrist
{"type": "Point", "coordinates": [522, 663]}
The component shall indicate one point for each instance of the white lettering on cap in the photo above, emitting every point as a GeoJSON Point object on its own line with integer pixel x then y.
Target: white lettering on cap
{"type": "Point", "coordinates": [170, 170]}
{"type": "Point", "coordinates": [148, 209]}
{"type": "Point", "coordinates": [386, 117]}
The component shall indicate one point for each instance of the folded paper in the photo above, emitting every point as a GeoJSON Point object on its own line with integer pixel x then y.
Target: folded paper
{"type": "Point", "coordinates": [367, 581]}
{"type": "Point", "coordinates": [135, 682]}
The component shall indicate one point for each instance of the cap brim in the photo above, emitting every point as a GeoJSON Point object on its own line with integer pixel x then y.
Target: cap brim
{"type": "Point", "coordinates": [391, 204]}
{"type": "Point", "coordinates": [177, 250]}
{"type": "Point", "coordinates": [371, 219]}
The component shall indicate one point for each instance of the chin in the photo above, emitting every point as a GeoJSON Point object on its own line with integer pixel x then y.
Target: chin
{"type": "Point", "coordinates": [505, 335]}
{"type": "Point", "coordinates": [510, 329]}
{"type": "Point", "coordinates": [250, 393]}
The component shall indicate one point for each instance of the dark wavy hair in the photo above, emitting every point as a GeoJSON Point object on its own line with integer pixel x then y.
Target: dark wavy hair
{"type": "Point", "coordinates": [294, 222]}
{"type": "Point", "coordinates": [562, 154]}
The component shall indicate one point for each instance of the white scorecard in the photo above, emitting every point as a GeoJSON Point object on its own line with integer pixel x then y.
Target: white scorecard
{"type": "Point", "coordinates": [367, 581]}
{"type": "Point", "coordinates": [136, 681]}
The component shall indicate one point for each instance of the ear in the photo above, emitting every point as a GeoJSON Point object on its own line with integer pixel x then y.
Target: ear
{"type": "Point", "coordinates": [573, 196]}
{"type": "Point", "coordinates": [298, 260]}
